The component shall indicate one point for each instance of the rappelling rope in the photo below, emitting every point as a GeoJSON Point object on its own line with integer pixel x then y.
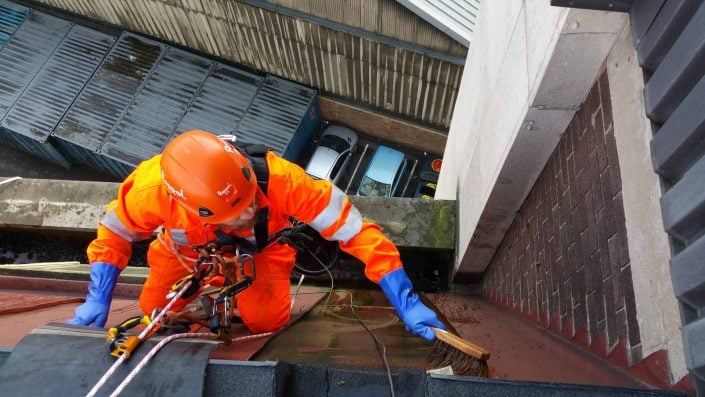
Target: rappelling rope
{"type": "Point", "coordinates": [141, 336]}
{"type": "Point", "coordinates": [168, 339]}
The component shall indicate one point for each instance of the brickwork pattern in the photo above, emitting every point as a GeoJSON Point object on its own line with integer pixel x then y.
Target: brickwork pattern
{"type": "Point", "coordinates": [564, 263]}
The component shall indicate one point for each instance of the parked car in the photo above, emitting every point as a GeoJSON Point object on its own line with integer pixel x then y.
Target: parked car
{"type": "Point", "coordinates": [428, 178]}
{"type": "Point", "coordinates": [383, 173]}
{"type": "Point", "coordinates": [332, 155]}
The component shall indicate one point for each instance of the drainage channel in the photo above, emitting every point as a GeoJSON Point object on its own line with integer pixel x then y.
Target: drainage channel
{"type": "Point", "coordinates": [331, 334]}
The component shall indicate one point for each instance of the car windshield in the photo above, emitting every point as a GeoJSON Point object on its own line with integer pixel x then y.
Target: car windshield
{"type": "Point", "coordinates": [371, 187]}
{"type": "Point", "coordinates": [336, 143]}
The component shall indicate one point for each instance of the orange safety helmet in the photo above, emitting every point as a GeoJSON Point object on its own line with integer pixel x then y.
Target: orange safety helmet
{"type": "Point", "coordinates": [208, 176]}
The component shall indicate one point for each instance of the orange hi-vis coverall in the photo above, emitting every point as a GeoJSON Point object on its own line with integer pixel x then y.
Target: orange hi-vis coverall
{"type": "Point", "coordinates": [144, 204]}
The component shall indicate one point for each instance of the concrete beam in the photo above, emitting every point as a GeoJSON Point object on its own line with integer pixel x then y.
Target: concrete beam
{"type": "Point", "coordinates": [77, 206]}
{"type": "Point", "coordinates": [383, 126]}
{"type": "Point", "coordinates": [74, 206]}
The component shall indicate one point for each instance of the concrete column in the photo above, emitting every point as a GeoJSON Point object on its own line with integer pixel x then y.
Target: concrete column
{"type": "Point", "coordinates": [649, 252]}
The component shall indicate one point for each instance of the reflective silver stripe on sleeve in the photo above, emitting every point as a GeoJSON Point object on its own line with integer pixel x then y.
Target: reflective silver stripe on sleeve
{"type": "Point", "coordinates": [331, 213]}
{"type": "Point", "coordinates": [178, 236]}
{"type": "Point", "coordinates": [111, 221]}
{"type": "Point", "coordinates": [350, 228]}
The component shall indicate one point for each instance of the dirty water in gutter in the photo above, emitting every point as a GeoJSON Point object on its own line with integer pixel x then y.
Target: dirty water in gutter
{"type": "Point", "coordinates": [331, 335]}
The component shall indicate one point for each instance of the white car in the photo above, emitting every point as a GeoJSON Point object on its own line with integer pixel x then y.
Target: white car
{"type": "Point", "coordinates": [332, 154]}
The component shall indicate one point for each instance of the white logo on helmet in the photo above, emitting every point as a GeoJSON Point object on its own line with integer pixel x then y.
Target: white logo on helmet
{"type": "Point", "coordinates": [178, 193]}
{"type": "Point", "coordinates": [225, 191]}
{"type": "Point", "coordinates": [228, 148]}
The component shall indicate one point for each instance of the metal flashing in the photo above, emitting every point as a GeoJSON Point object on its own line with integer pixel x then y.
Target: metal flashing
{"type": "Point", "coordinates": [456, 18]}
{"type": "Point", "coordinates": [602, 5]}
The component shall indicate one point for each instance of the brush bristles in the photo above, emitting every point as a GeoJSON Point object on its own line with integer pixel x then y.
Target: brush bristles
{"type": "Point", "coordinates": [443, 355]}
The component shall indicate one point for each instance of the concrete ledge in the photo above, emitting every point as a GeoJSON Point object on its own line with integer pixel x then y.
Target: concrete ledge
{"type": "Point", "coordinates": [76, 206]}
{"type": "Point", "coordinates": [54, 204]}
{"type": "Point", "coordinates": [409, 222]}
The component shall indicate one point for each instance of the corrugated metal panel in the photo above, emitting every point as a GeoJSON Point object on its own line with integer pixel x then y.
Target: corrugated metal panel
{"type": "Point", "coordinates": [456, 18]}
{"type": "Point", "coordinates": [44, 102]}
{"type": "Point", "coordinates": [23, 56]}
{"type": "Point", "coordinates": [694, 352]}
{"type": "Point", "coordinates": [222, 101]}
{"type": "Point", "coordinates": [684, 205]}
{"type": "Point", "coordinates": [158, 108]}
{"type": "Point", "coordinates": [672, 81]}
{"type": "Point", "coordinates": [664, 31]}
{"type": "Point", "coordinates": [642, 17]}
{"type": "Point", "coordinates": [689, 280]}
{"type": "Point", "coordinates": [21, 60]}
{"type": "Point", "coordinates": [276, 113]}
{"type": "Point", "coordinates": [109, 92]}
{"type": "Point", "coordinates": [681, 140]}
{"type": "Point", "coordinates": [11, 17]}
{"type": "Point", "coordinates": [673, 48]}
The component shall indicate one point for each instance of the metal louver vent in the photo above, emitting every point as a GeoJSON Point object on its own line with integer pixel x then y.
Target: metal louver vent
{"type": "Point", "coordinates": [222, 101]}
{"type": "Point", "coordinates": [50, 94]}
{"type": "Point", "coordinates": [21, 59]}
{"type": "Point", "coordinates": [11, 17]}
{"type": "Point", "coordinates": [276, 113]}
{"type": "Point", "coordinates": [74, 94]}
{"type": "Point", "coordinates": [158, 107]}
{"type": "Point", "coordinates": [23, 56]}
{"type": "Point", "coordinates": [109, 92]}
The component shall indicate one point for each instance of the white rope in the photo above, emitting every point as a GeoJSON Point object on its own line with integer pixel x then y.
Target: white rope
{"type": "Point", "coordinates": [141, 336]}
{"type": "Point", "coordinates": [14, 178]}
{"type": "Point", "coordinates": [298, 287]}
{"type": "Point", "coordinates": [166, 340]}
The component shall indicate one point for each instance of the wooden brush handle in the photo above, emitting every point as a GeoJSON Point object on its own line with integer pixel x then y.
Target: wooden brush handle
{"type": "Point", "coordinates": [461, 344]}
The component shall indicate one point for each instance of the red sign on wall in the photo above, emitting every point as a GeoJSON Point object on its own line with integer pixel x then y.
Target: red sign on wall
{"type": "Point", "coordinates": [436, 165]}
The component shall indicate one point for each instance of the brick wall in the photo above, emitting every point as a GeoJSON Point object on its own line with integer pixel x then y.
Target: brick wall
{"type": "Point", "coordinates": [564, 263]}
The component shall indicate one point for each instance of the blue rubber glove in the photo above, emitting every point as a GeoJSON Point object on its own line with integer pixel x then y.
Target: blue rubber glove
{"type": "Point", "coordinates": [417, 317]}
{"type": "Point", "coordinates": [100, 293]}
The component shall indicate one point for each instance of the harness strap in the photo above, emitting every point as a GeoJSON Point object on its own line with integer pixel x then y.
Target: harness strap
{"type": "Point", "coordinates": [255, 153]}
{"type": "Point", "coordinates": [261, 229]}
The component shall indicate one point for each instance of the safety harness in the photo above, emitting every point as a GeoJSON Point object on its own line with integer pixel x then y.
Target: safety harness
{"type": "Point", "coordinates": [309, 244]}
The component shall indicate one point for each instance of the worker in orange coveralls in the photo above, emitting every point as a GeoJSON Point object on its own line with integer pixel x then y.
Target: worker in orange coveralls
{"type": "Point", "coordinates": [201, 184]}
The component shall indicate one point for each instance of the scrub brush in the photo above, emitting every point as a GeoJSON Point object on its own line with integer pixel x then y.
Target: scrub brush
{"type": "Point", "coordinates": [463, 357]}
